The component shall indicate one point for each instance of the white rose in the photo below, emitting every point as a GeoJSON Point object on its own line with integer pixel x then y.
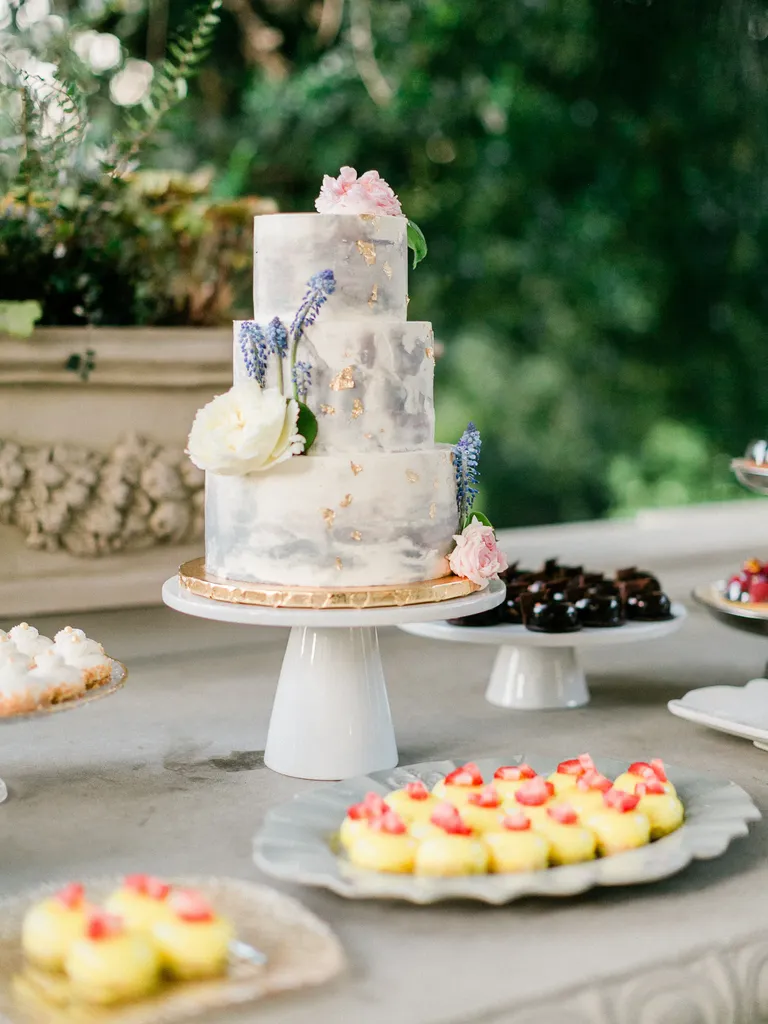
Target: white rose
{"type": "Point", "coordinates": [246, 430]}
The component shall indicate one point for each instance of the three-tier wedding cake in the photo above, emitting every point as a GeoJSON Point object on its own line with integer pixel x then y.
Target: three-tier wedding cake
{"type": "Point", "coordinates": [321, 463]}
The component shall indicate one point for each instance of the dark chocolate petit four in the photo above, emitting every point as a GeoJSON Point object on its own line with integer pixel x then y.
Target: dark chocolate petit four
{"type": "Point", "coordinates": [565, 598]}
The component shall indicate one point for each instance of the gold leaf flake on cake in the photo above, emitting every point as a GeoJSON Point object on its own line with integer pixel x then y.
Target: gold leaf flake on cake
{"type": "Point", "coordinates": [368, 251]}
{"type": "Point", "coordinates": [355, 468]}
{"type": "Point", "coordinates": [370, 218]}
{"type": "Point", "coordinates": [339, 564]}
{"type": "Point", "coordinates": [429, 352]}
{"type": "Point", "coordinates": [387, 270]}
{"type": "Point", "coordinates": [343, 380]}
{"type": "Point", "coordinates": [432, 510]}
{"type": "Point", "coordinates": [368, 437]}
{"type": "Point", "coordinates": [411, 477]}
{"type": "Point", "coordinates": [357, 409]}
{"type": "Point", "coordinates": [346, 501]}
{"type": "Point", "coordinates": [374, 296]}
{"type": "Point", "coordinates": [328, 410]}
{"type": "Point", "coordinates": [328, 515]}
{"type": "Point", "coordinates": [356, 535]}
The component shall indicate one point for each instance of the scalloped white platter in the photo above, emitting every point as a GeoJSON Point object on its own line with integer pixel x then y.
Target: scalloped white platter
{"type": "Point", "coordinates": [294, 842]}
{"type": "Point", "coordinates": [737, 710]}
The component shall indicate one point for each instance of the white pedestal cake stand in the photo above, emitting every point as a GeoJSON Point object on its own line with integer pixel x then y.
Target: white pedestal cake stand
{"type": "Point", "coordinates": [330, 719]}
{"type": "Point", "coordinates": [536, 671]}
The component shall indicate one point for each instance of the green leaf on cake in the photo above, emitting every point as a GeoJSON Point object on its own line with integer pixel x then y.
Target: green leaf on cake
{"type": "Point", "coordinates": [417, 242]}
{"type": "Point", "coordinates": [19, 318]}
{"type": "Point", "coordinates": [307, 426]}
{"type": "Point", "coordinates": [483, 520]}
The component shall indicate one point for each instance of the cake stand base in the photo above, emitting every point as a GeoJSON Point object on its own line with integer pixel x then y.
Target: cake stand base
{"type": "Point", "coordinates": [530, 678]}
{"type": "Point", "coordinates": [331, 713]}
{"type": "Point", "coordinates": [540, 671]}
{"type": "Point", "coordinates": [330, 719]}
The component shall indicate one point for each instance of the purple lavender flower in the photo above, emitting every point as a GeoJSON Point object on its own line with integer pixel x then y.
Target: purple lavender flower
{"type": "Point", "coordinates": [466, 462]}
{"type": "Point", "coordinates": [319, 287]}
{"type": "Point", "coordinates": [302, 379]}
{"type": "Point", "coordinates": [253, 347]}
{"type": "Point", "coordinates": [277, 337]}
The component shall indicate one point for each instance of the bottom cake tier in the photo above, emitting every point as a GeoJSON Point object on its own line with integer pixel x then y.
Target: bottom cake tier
{"type": "Point", "coordinates": [332, 520]}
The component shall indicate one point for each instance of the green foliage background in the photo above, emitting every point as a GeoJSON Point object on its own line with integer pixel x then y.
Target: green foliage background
{"type": "Point", "coordinates": [591, 178]}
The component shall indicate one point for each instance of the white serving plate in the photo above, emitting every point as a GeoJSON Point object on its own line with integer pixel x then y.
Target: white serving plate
{"type": "Point", "coordinates": [293, 843]}
{"type": "Point", "coordinates": [736, 710]}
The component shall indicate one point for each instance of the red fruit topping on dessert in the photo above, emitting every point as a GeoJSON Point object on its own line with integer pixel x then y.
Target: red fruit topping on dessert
{"type": "Point", "coordinates": [71, 896]}
{"type": "Point", "coordinates": [514, 772]}
{"type": "Point", "coordinates": [576, 765]}
{"type": "Point", "coordinates": [191, 906]}
{"type": "Point", "coordinates": [101, 925]}
{"type": "Point", "coordinates": [389, 822]}
{"type": "Point", "coordinates": [446, 817]}
{"type": "Point", "coordinates": [620, 801]}
{"type": "Point", "coordinates": [643, 769]}
{"type": "Point", "coordinates": [468, 775]}
{"type": "Point", "coordinates": [592, 779]}
{"type": "Point", "coordinates": [516, 821]}
{"type": "Point", "coordinates": [534, 792]}
{"type": "Point", "coordinates": [371, 806]}
{"type": "Point", "coordinates": [758, 588]}
{"type": "Point", "coordinates": [487, 797]}
{"type": "Point", "coordinates": [652, 786]}
{"type": "Point", "coordinates": [146, 885]}
{"type": "Point", "coordinates": [658, 767]}
{"type": "Point", "coordinates": [563, 813]}
{"type": "Point", "coordinates": [417, 790]}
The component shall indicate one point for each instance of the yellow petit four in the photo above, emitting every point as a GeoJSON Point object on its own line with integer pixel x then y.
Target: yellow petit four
{"type": "Point", "coordinates": [52, 926]}
{"type": "Point", "coordinates": [384, 846]}
{"type": "Point", "coordinates": [516, 847]}
{"type": "Point", "coordinates": [193, 942]}
{"type": "Point", "coordinates": [141, 902]}
{"type": "Point", "coordinates": [483, 811]}
{"type": "Point", "coordinates": [664, 811]}
{"type": "Point", "coordinates": [533, 798]}
{"type": "Point", "coordinates": [414, 803]}
{"type": "Point", "coordinates": [458, 784]}
{"type": "Point", "coordinates": [642, 771]}
{"type": "Point", "coordinates": [619, 825]}
{"type": "Point", "coordinates": [358, 817]}
{"type": "Point", "coordinates": [111, 965]}
{"type": "Point", "coordinates": [564, 778]}
{"type": "Point", "coordinates": [454, 850]}
{"type": "Point", "coordinates": [509, 778]}
{"type": "Point", "coordinates": [569, 842]}
{"type": "Point", "coordinates": [586, 797]}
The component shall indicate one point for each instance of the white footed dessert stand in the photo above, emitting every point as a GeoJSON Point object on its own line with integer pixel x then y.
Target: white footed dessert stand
{"type": "Point", "coordinates": [330, 719]}
{"type": "Point", "coordinates": [537, 671]}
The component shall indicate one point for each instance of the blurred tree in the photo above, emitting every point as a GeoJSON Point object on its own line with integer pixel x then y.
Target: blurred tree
{"type": "Point", "coordinates": [591, 180]}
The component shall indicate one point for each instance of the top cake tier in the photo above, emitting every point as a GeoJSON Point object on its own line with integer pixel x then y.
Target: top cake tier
{"type": "Point", "coordinates": [367, 254]}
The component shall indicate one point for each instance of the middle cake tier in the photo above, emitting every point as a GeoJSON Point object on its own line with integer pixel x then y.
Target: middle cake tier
{"type": "Point", "coordinates": [335, 521]}
{"type": "Point", "coordinates": [371, 383]}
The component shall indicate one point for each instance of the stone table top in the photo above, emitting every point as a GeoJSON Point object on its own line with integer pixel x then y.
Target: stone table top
{"type": "Point", "coordinates": [168, 777]}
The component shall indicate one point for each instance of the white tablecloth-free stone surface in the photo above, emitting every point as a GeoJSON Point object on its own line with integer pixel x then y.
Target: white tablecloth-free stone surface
{"type": "Point", "coordinates": [168, 777]}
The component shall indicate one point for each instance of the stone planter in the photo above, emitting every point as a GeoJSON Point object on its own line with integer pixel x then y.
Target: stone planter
{"type": "Point", "coordinates": [98, 504]}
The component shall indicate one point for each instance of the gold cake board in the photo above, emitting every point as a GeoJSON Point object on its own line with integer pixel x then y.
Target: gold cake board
{"type": "Point", "coordinates": [194, 578]}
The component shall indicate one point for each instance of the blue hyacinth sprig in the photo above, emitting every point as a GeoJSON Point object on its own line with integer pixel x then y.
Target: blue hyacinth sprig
{"type": "Point", "coordinates": [302, 379]}
{"type": "Point", "coordinates": [467, 467]}
{"type": "Point", "coordinates": [253, 346]}
{"type": "Point", "coordinates": [319, 287]}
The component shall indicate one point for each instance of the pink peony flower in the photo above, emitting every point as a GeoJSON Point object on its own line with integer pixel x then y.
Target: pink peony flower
{"type": "Point", "coordinates": [349, 194]}
{"type": "Point", "coordinates": [476, 556]}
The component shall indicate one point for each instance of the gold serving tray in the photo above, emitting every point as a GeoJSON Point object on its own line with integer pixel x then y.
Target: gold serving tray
{"type": "Point", "coordinates": [194, 578]}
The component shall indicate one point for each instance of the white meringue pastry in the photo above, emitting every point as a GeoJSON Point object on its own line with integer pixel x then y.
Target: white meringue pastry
{"type": "Point", "coordinates": [28, 640]}
{"type": "Point", "coordinates": [86, 655]}
{"type": "Point", "coordinates": [19, 692]}
{"type": "Point", "coordinates": [64, 681]}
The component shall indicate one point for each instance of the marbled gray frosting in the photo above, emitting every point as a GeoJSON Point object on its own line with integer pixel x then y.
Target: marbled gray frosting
{"type": "Point", "coordinates": [368, 256]}
{"type": "Point", "coordinates": [390, 365]}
